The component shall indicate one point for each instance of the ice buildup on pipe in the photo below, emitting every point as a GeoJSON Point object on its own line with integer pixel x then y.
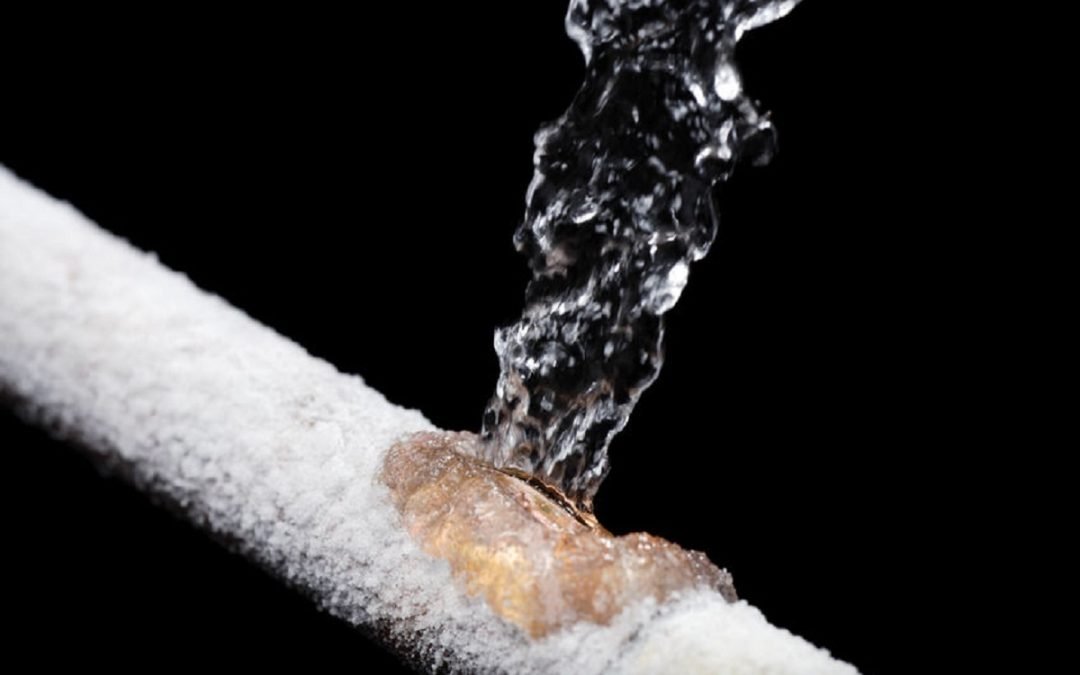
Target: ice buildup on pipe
{"type": "Point", "coordinates": [276, 453]}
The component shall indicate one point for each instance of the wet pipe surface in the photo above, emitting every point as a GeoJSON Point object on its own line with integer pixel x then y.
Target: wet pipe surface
{"type": "Point", "coordinates": [537, 561]}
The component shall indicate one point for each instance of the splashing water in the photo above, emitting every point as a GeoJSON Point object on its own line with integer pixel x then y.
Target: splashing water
{"type": "Point", "coordinates": [618, 207]}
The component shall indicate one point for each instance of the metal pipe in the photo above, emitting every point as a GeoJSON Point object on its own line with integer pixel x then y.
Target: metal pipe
{"type": "Point", "coordinates": [279, 455]}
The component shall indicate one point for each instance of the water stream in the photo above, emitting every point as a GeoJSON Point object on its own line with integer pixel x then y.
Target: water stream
{"type": "Point", "coordinates": [620, 204]}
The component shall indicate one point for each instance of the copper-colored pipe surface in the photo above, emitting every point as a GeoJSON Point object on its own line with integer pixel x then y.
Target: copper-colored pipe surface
{"type": "Point", "coordinates": [535, 560]}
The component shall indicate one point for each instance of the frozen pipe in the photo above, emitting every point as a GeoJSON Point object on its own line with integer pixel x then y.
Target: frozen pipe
{"type": "Point", "coordinates": [280, 456]}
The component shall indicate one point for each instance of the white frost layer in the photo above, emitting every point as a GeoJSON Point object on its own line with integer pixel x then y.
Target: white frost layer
{"type": "Point", "coordinates": [276, 452]}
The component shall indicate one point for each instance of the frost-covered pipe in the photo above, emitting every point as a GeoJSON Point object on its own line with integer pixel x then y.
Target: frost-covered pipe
{"type": "Point", "coordinates": [278, 454]}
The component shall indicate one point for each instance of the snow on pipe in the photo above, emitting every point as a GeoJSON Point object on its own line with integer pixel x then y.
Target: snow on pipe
{"type": "Point", "coordinates": [281, 456]}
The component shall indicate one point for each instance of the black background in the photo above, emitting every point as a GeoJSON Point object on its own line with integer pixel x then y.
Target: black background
{"type": "Point", "coordinates": [354, 181]}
